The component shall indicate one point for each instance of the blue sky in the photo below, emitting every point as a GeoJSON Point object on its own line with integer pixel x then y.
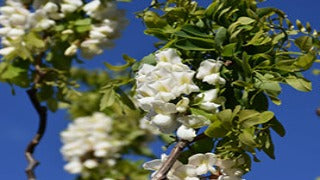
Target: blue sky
{"type": "Point", "coordinates": [298, 153]}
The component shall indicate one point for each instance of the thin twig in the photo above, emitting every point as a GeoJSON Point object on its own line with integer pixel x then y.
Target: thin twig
{"type": "Point", "coordinates": [173, 156]}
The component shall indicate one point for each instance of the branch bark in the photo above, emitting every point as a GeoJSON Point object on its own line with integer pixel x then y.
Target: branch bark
{"type": "Point", "coordinates": [42, 113]}
{"type": "Point", "coordinates": [173, 156]}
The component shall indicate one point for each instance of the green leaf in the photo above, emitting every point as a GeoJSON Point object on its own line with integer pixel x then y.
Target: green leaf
{"type": "Point", "coordinates": [203, 145]}
{"type": "Point", "coordinates": [226, 118]}
{"type": "Point", "coordinates": [108, 98]}
{"type": "Point", "coordinates": [268, 147]}
{"type": "Point", "coordinates": [83, 22]}
{"type": "Point", "coordinates": [129, 61]}
{"type": "Point", "coordinates": [11, 72]}
{"type": "Point", "coordinates": [305, 61]}
{"type": "Point", "coordinates": [304, 43]}
{"type": "Point", "coordinates": [299, 83]}
{"type": "Point", "coordinates": [221, 36]}
{"type": "Point", "coordinates": [247, 138]}
{"type": "Point", "coordinates": [248, 114]}
{"type": "Point", "coordinates": [52, 104]}
{"type": "Point", "coordinates": [262, 118]}
{"type": "Point", "coordinates": [194, 45]}
{"type": "Point", "coordinates": [203, 113]}
{"type": "Point", "coordinates": [216, 130]}
{"type": "Point", "coordinates": [150, 59]}
{"type": "Point", "coordinates": [277, 127]}
{"type": "Point", "coordinates": [195, 31]}
{"type": "Point", "coordinates": [34, 40]}
{"type": "Point", "coordinates": [229, 50]}
{"type": "Point", "coordinates": [82, 29]}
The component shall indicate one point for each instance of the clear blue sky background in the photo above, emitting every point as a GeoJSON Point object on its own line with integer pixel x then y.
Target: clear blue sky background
{"type": "Point", "coordinates": [298, 153]}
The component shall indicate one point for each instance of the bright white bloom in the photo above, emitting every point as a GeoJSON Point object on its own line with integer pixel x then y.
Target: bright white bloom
{"type": "Point", "coordinates": [168, 56]}
{"type": "Point", "coordinates": [183, 104]}
{"type": "Point", "coordinates": [186, 133]}
{"type": "Point", "coordinates": [89, 135]}
{"type": "Point", "coordinates": [6, 51]}
{"type": "Point", "coordinates": [231, 174]}
{"type": "Point", "coordinates": [72, 50]}
{"type": "Point", "coordinates": [74, 167]}
{"type": "Point", "coordinates": [203, 163]}
{"type": "Point", "coordinates": [155, 165]}
{"type": "Point", "coordinates": [184, 172]}
{"type": "Point", "coordinates": [90, 164]}
{"type": "Point", "coordinates": [207, 98]}
{"type": "Point", "coordinates": [209, 71]}
{"type": "Point", "coordinates": [158, 85]}
{"type": "Point", "coordinates": [229, 169]}
{"type": "Point", "coordinates": [166, 123]}
{"type": "Point", "coordinates": [69, 6]}
{"type": "Point", "coordinates": [193, 121]}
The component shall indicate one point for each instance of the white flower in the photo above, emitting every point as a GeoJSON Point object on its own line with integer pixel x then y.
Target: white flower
{"type": "Point", "coordinates": [186, 133]}
{"type": "Point", "coordinates": [168, 55]}
{"type": "Point", "coordinates": [166, 123]}
{"type": "Point", "coordinates": [183, 104]}
{"type": "Point", "coordinates": [193, 121]}
{"type": "Point", "coordinates": [89, 135]}
{"type": "Point", "coordinates": [91, 7]}
{"type": "Point", "coordinates": [90, 47]}
{"type": "Point", "coordinates": [231, 174]}
{"type": "Point", "coordinates": [71, 50]}
{"type": "Point", "coordinates": [203, 163]}
{"type": "Point", "coordinates": [184, 172]}
{"type": "Point", "coordinates": [50, 7]}
{"type": "Point", "coordinates": [208, 97]}
{"type": "Point", "coordinates": [209, 71]}
{"type": "Point", "coordinates": [40, 20]}
{"type": "Point", "coordinates": [90, 164]}
{"type": "Point", "coordinates": [74, 167]}
{"type": "Point", "coordinates": [69, 6]}
{"type": "Point", "coordinates": [7, 50]}
{"type": "Point", "coordinates": [155, 165]}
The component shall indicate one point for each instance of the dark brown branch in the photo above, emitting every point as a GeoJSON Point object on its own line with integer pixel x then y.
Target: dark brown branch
{"type": "Point", "coordinates": [42, 113]}
{"type": "Point", "coordinates": [172, 158]}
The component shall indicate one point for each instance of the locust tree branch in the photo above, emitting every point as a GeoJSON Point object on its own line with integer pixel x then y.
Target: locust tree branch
{"type": "Point", "coordinates": [42, 113]}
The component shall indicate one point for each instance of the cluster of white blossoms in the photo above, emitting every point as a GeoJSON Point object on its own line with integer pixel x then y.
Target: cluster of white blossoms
{"type": "Point", "coordinates": [88, 142]}
{"type": "Point", "coordinates": [198, 167]}
{"type": "Point", "coordinates": [110, 21]}
{"type": "Point", "coordinates": [163, 92]}
{"type": "Point", "coordinates": [16, 21]}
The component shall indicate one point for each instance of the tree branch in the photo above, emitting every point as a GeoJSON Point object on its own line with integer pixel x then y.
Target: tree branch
{"type": "Point", "coordinates": [172, 158]}
{"type": "Point", "coordinates": [167, 165]}
{"type": "Point", "coordinates": [42, 113]}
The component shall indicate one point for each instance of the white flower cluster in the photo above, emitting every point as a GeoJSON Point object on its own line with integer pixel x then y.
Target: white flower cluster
{"type": "Point", "coordinates": [87, 141]}
{"type": "Point", "coordinates": [198, 165]}
{"type": "Point", "coordinates": [111, 21]}
{"type": "Point", "coordinates": [168, 80]}
{"type": "Point", "coordinates": [16, 21]}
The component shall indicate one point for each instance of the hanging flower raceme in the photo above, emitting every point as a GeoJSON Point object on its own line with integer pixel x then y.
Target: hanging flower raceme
{"type": "Point", "coordinates": [166, 90]}
{"type": "Point", "coordinates": [92, 27]}
{"type": "Point", "coordinates": [198, 166]}
{"type": "Point", "coordinates": [88, 142]}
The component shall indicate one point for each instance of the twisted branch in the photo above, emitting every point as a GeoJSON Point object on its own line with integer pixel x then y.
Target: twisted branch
{"type": "Point", "coordinates": [42, 113]}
